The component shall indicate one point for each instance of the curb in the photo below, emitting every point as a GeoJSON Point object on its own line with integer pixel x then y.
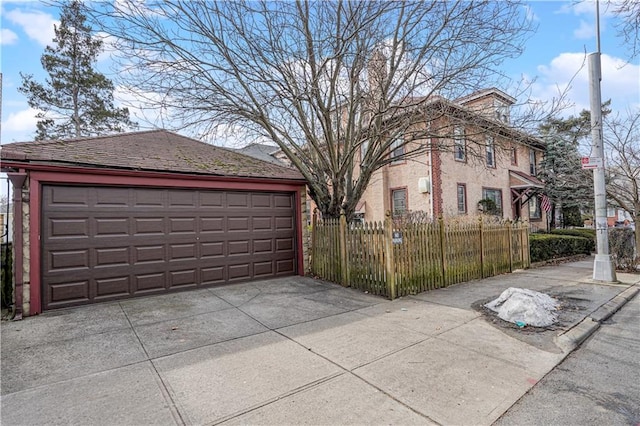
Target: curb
{"type": "Point", "coordinates": [572, 338]}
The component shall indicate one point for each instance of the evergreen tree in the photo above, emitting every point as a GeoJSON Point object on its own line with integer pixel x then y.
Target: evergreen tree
{"type": "Point", "coordinates": [75, 100]}
{"type": "Point", "coordinates": [568, 186]}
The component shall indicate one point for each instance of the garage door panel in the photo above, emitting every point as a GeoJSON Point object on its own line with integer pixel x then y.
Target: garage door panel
{"type": "Point", "coordinates": [117, 256]}
{"type": "Point", "coordinates": [149, 283]}
{"type": "Point", "coordinates": [182, 199]}
{"type": "Point", "coordinates": [284, 244]}
{"type": "Point", "coordinates": [182, 278]}
{"type": "Point", "coordinates": [212, 249]}
{"type": "Point", "coordinates": [238, 248]}
{"type": "Point", "coordinates": [112, 197]}
{"type": "Point", "coordinates": [111, 287]}
{"type": "Point", "coordinates": [67, 196]}
{"type": "Point", "coordinates": [238, 224]}
{"type": "Point", "coordinates": [112, 226]}
{"type": "Point", "coordinates": [146, 254]}
{"type": "Point", "coordinates": [285, 267]}
{"type": "Point", "coordinates": [261, 269]}
{"type": "Point", "coordinates": [263, 246]}
{"type": "Point", "coordinates": [262, 224]}
{"type": "Point", "coordinates": [211, 199]}
{"type": "Point", "coordinates": [261, 201]}
{"type": "Point", "coordinates": [284, 223]}
{"type": "Point", "coordinates": [68, 260]}
{"type": "Point", "coordinates": [213, 275]}
{"type": "Point", "coordinates": [103, 243]}
{"type": "Point", "coordinates": [182, 225]}
{"type": "Point", "coordinates": [69, 292]}
{"type": "Point", "coordinates": [148, 226]}
{"type": "Point", "coordinates": [237, 199]}
{"type": "Point", "coordinates": [148, 198]}
{"type": "Point", "coordinates": [239, 272]}
{"type": "Point", "coordinates": [182, 251]}
{"type": "Point", "coordinates": [68, 228]}
{"type": "Point", "coordinates": [212, 225]}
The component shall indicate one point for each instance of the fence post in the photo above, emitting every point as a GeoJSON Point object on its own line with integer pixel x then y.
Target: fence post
{"type": "Point", "coordinates": [526, 254]}
{"type": "Point", "coordinates": [481, 246]}
{"type": "Point", "coordinates": [344, 263]}
{"type": "Point", "coordinates": [510, 225]}
{"type": "Point", "coordinates": [443, 251]}
{"type": "Point", "coordinates": [389, 258]}
{"type": "Point", "coordinates": [314, 241]}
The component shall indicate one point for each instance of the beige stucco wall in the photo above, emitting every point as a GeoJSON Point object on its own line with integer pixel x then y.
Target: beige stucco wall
{"type": "Point", "coordinates": [473, 173]}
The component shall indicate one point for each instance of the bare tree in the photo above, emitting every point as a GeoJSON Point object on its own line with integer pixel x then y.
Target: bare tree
{"type": "Point", "coordinates": [622, 145]}
{"type": "Point", "coordinates": [324, 80]}
{"type": "Point", "coordinates": [628, 13]}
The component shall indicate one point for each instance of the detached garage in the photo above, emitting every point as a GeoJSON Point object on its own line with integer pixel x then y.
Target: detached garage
{"type": "Point", "coordinates": [126, 215]}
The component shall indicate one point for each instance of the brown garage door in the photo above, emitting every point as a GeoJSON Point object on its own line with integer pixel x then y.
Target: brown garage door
{"type": "Point", "coordinates": [104, 243]}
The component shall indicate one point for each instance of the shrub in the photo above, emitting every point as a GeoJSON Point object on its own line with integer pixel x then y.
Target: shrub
{"type": "Point", "coordinates": [488, 206]}
{"type": "Point", "coordinates": [579, 232]}
{"type": "Point", "coordinates": [621, 242]}
{"type": "Point", "coordinates": [6, 281]}
{"type": "Point", "coordinates": [571, 216]}
{"type": "Point", "coordinates": [549, 246]}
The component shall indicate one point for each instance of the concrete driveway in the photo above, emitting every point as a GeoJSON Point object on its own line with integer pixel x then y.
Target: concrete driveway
{"type": "Point", "coordinates": [293, 350]}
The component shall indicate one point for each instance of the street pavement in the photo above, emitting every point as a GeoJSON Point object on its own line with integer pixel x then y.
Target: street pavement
{"type": "Point", "coordinates": [294, 351]}
{"type": "Point", "coordinates": [598, 384]}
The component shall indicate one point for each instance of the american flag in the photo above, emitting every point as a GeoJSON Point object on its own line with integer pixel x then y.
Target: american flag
{"type": "Point", "coordinates": [546, 203]}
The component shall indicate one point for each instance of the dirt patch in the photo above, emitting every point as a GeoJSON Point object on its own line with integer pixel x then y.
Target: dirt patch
{"type": "Point", "coordinates": [571, 310]}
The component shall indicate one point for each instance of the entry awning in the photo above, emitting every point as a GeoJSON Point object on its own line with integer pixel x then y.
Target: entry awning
{"type": "Point", "coordinates": [520, 180]}
{"type": "Point", "coordinates": [361, 207]}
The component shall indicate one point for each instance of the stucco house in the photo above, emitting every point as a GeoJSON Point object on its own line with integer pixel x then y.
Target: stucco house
{"type": "Point", "coordinates": [113, 217]}
{"type": "Point", "coordinates": [475, 156]}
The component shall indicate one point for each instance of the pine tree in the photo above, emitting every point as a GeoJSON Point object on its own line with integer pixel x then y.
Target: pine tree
{"type": "Point", "coordinates": [569, 187]}
{"type": "Point", "coordinates": [75, 100]}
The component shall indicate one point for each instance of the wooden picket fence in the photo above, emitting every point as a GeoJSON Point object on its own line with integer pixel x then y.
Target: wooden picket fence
{"type": "Point", "coordinates": [398, 260]}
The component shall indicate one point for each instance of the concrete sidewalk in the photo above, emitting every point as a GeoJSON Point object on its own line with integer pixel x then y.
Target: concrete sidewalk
{"type": "Point", "coordinates": [292, 351]}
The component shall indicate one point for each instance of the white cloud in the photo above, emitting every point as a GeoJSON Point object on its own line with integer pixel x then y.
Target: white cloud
{"type": "Point", "coordinates": [568, 71]}
{"type": "Point", "coordinates": [7, 36]}
{"type": "Point", "coordinates": [19, 126]}
{"type": "Point", "coordinates": [37, 25]}
{"type": "Point", "coordinates": [585, 31]}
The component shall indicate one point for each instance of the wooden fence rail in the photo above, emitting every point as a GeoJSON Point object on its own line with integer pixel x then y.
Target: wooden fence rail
{"type": "Point", "coordinates": [397, 260]}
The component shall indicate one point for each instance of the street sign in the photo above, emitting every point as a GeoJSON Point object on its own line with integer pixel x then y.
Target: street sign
{"type": "Point", "coordinates": [591, 162]}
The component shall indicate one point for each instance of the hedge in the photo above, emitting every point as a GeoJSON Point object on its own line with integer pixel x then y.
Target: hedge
{"type": "Point", "coordinates": [578, 232]}
{"type": "Point", "coordinates": [550, 246]}
{"type": "Point", "coordinates": [621, 242]}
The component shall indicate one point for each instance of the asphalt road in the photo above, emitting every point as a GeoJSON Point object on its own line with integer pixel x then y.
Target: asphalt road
{"type": "Point", "coordinates": [598, 384]}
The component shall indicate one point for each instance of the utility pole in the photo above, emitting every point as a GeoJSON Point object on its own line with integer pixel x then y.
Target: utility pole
{"type": "Point", "coordinates": [603, 269]}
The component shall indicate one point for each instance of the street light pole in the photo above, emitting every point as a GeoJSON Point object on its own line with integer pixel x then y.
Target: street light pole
{"type": "Point", "coordinates": [603, 269]}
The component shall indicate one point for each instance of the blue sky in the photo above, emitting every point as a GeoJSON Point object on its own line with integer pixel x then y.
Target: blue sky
{"type": "Point", "coordinates": [553, 58]}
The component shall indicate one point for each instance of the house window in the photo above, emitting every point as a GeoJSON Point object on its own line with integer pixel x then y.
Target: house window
{"type": "Point", "coordinates": [534, 208]}
{"type": "Point", "coordinates": [514, 156]}
{"type": "Point", "coordinates": [495, 195]}
{"type": "Point", "coordinates": [397, 150]}
{"type": "Point", "coordinates": [491, 152]}
{"type": "Point", "coordinates": [532, 162]}
{"type": "Point", "coordinates": [462, 198]}
{"type": "Point", "coordinates": [459, 144]}
{"type": "Point", "coordinates": [502, 113]}
{"type": "Point", "coordinates": [398, 202]}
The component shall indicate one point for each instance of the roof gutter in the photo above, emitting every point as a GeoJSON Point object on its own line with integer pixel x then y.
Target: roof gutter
{"type": "Point", "coordinates": [9, 164]}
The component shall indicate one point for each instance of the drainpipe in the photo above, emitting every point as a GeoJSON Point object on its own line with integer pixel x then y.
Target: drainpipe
{"type": "Point", "coordinates": [17, 179]}
{"type": "Point", "coordinates": [431, 179]}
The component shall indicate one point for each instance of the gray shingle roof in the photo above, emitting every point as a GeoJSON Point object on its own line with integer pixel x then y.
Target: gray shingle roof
{"type": "Point", "coordinates": [155, 150]}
